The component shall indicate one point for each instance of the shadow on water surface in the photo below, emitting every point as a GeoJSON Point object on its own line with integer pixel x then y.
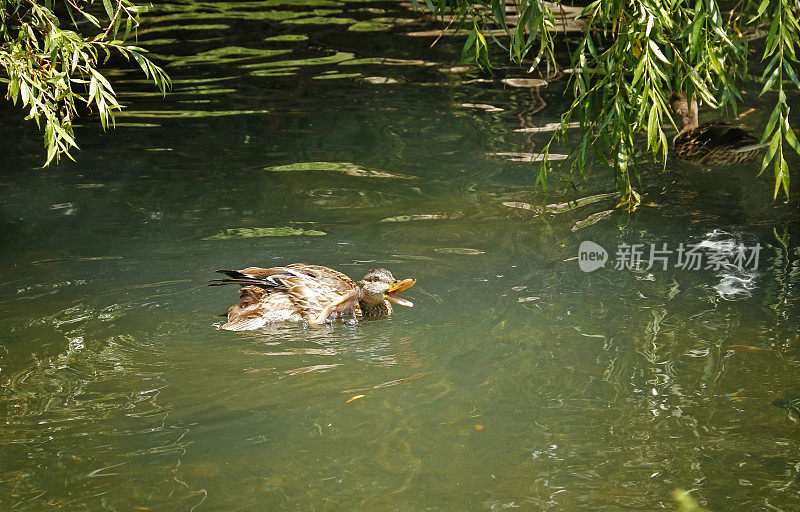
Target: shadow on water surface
{"type": "Point", "coordinates": [516, 381]}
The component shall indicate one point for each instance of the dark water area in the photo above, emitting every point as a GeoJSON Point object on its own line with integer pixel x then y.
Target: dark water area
{"type": "Point", "coordinates": [516, 381]}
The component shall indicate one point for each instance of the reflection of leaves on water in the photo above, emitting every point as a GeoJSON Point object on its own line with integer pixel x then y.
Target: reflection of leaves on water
{"type": "Point", "coordinates": [47, 288]}
{"type": "Point", "coordinates": [172, 28]}
{"type": "Point", "coordinates": [76, 258]}
{"type": "Point", "coordinates": [288, 37]}
{"type": "Point", "coordinates": [524, 82]}
{"type": "Point", "coordinates": [186, 113]}
{"type": "Point", "coordinates": [314, 61]}
{"type": "Point", "coordinates": [386, 61]}
{"type": "Point", "coordinates": [465, 251]}
{"type": "Point", "coordinates": [482, 106]}
{"type": "Point", "coordinates": [674, 290]}
{"type": "Point", "coordinates": [409, 218]}
{"type": "Point", "coordinates": [161, 42]}
{"type": "Point", "coordinates": [268, 15]}
{"type": "Point", "coordinates": [567, 206]}
{"type": "Point", "coordinates": [191, 92]}
{"type": "Point", "coordinates": [554, 208]}
{"type": "Point", "coordinates": [65, 208]}
{"type": "Point", "coordinates": [528, 157]}
{"type": "Point", "coordinates": [278, 72]}
{"type": "Point", "coordinates": [319, 20]}
{"type": "Point", "coordinates": [344, 167]}
{"type": "Point", "coordinates": [334, 76]}
{"type": "Point", "coordinates": [577, 203]}
{"type": "Point", "coordinates": [377, 80]}
{"type": "Point", "coordinates": [222, 55]}
{"type": "Point", "coordinates": [548, 127]}
{"type": "Point", "coordinates": [369, 26]}
{"type": "Point", "coordinates": [292, 351]}
{"type": "Point", "coordinates": [591, 219]}
{"type": "Point", "coordinates": [389, 383]}
{"type": "Point", "coordinates": [309, 369]}
{"type": "Point", "coordinates": [233, 233]}
{"type": "Point", "coordinates": [518, 204]}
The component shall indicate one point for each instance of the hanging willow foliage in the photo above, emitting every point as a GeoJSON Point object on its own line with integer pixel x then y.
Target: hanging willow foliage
{"type": "Point", "coordinates": [631, 55]}
{"type": "Point", "coordinates": [53, 70]}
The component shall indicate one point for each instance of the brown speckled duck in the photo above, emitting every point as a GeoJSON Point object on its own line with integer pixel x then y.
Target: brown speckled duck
{"type": "Point", "coordinates": [308, 293]}
{"type": "Point", "coordinates": [713, 143]}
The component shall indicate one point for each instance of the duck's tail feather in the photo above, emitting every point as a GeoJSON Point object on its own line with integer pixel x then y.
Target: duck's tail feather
{"type": "Point", "coordinates": [236, 277]}
{"type": "Point", "coordinates": [244, 282]}
{"type": "Point", "coordinates": [751, 147]}
{"type": "Point", "coordinates": [235, 274]}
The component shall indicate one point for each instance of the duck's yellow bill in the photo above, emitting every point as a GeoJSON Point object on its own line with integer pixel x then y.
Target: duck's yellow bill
{"type": "Point", "coordinates": [399, 286]}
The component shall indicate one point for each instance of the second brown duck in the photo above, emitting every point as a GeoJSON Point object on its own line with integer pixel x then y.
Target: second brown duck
{"type": "Point", "coordinates": [712, 143]}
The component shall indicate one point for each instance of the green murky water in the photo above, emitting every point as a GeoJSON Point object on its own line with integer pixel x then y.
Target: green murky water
{"type": "Point", "coordinates": [516, 381]}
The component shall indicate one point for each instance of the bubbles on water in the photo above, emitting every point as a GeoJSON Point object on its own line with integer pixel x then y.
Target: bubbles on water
{"type": "Point", "coordinates": [735, 281]}
{"type": "Point", "coordinates": [732, 287]}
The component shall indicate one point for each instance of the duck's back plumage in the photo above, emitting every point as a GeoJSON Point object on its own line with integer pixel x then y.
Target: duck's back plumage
{"type": "Point", "coordinates": [716, 143]}
{"type": "Point", "coordinates": [294, 293]}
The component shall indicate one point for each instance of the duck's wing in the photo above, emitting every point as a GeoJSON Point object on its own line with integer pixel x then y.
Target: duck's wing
{"type": "Point", "coordinates": [270, 278]}
{"type": "Point", "coordinates": [322, 296]}
{"type": "Point", "coordinates": [721, 135]}
{"type": "Point", "coordinates": [330, 277]}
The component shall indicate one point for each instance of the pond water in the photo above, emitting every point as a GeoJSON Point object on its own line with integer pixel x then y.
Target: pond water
{"type": "Point", "coordinates": [516, 381]}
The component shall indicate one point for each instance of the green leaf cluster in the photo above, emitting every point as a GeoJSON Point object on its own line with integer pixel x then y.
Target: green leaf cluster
{"type": "Point", "coordinates": [53, 72]}
{"type": "Point", "coordinates": [630, 56]}
{"type": "Point", "coordinates": [780, 54]}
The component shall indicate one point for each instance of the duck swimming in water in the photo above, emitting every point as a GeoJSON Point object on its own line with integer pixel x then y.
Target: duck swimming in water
{"type": "Point", "coordinates": [308, 293]}
{"type": "Point", "coordinates": [713, 143]}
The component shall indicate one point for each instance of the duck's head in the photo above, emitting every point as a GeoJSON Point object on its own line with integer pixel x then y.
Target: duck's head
{"type": "Point", "coordinates": [378, 286]}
